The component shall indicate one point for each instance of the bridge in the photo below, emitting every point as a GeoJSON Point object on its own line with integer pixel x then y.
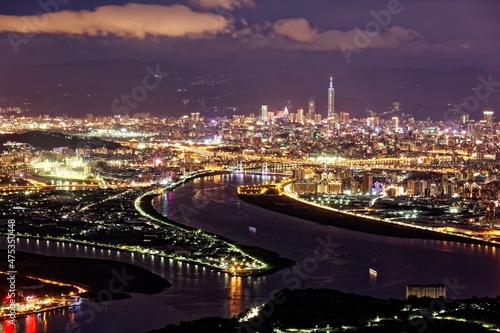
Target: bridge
{"type": "Point", "coordinates": [411, 164]}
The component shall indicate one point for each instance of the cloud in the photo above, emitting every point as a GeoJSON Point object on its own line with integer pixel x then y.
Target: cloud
{"type": "Point", "coordinates": [297, 34]}
{"type": "Point", "coordinates": [130, 20]}
{"type": "Point", "coordinates": [297, 29]}
{"type": "Point", "coordinates": [222, 4]}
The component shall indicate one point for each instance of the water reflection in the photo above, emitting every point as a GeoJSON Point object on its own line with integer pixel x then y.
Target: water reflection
{"type": "Point", "coordinates": [235, 296]}
{"type": "Point", "coordinates": [8, 327]}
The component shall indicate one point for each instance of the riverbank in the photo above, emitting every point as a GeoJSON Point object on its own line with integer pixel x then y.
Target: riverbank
{"type": "Point", "coordinates": [285, 204]}
{"type": "Point", "coordinates": [273, 261]}
{"type": "Point", "coordinates": [113, 278]}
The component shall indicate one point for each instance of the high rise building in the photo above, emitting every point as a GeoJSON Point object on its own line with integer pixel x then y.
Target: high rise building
{"type": "Point", "coordinates": [464, 118]}
{"type": "Point", "coordinates": [344, 117]}
{"type": "Point", "coordinates": [300, 115]}
{"type": "Point", "coordinates": [263, 113]}
{"type": "Point", "coordinates": [488, 117]}
{"type": "Point", "coordinates": [195, 116]}
{"type": "Point", "coordinates": [395, 122]}
{"type": "Point", "coordinates": [331, 100]}
{"type": "Point", "coordinates": [367, 183]}
{"type": "Point", "coordinates": [428, 290]}
{"type": "Point", "coordinates": [410, 187]}
{"type": "Point", "coordinates": [311, 108]}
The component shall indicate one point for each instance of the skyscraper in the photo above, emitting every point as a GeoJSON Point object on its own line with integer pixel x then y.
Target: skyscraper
{"type": "Point", "coordinates": [395, 122]}
{"type": "Point", "coordinates": [300, 115]}
{"type": "Point", "coordinates": [367, 184]}
{"type": "Point", "coordinates": [331, 100]}
{"type": "Point", "coordinates": [311, 108]}
{"type": "Point", "coordinates": [264, 113]}
{"type": "Point", "coordinates": [344, 116]}
{"type": "Point", "coordinates": [488, 117]}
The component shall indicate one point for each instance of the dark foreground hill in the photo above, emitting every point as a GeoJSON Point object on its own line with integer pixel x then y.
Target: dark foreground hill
{"type": "Point", "coordinates": [326, 310]}
{"type": "Point", "coordinates": [49, 140]}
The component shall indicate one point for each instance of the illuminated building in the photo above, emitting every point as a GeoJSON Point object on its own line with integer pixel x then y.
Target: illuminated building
{"type": "Point", "coordinates": [395, 122]}
{"type": "Point", "coordinates": [331, 100]}
{"type": "Point", "coordinates": [410, 187]}
{"type": "Point", "coordinates": [367, 184]}
{"type": "Point", "coordinates": [345, 117]}
{"type": "Point", "coordinates": [196, 116]}
{"type": "Point", "coordinates": [300, 115]}
{"type": "Point", "coordinates": [488, 117]}
{"type": "Point", "coordinates": [263, 113]}
{"type": "Point", "coordinates": [428, 290]}
{"type": "Point", "coordinates": [465, 118]}
{"type": "Point", "coordinates": [311, 108]}
{"type": "Point", "coordinates": [299, 174]}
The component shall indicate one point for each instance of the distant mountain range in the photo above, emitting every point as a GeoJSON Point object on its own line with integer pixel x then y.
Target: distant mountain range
{"type": "Point", "coordinates": [225, 88]}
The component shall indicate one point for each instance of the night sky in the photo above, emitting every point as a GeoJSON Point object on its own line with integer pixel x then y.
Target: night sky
{"type": "Point", "coordinates": [371, 33]}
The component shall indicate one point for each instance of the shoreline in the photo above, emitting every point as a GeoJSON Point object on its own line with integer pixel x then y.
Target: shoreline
{"type": "Point", "coordinates": [91, 274]}
{"type": "Point", "coordinates": [92, 277]}
{"type": "Point", "coordinates": [55, 308]}
{"type": "Point", "coordinates": [288, 205]}
{"type": "Point", "coordinates": [144, 204]}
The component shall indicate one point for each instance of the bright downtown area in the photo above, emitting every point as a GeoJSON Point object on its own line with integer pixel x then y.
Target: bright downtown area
{"type": "Point", "coordinates": [91, 180]}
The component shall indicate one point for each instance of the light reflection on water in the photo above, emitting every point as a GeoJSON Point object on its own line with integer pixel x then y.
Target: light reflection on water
{"type": "Point", "coordinates": [198, 291]}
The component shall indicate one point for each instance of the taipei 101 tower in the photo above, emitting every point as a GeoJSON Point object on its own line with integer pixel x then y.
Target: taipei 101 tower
{"type": "Point", "coordinates": [331, 100]}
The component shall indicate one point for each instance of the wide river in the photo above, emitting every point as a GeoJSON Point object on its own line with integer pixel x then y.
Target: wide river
{"type": "Point", "coordinates": [211, 204]}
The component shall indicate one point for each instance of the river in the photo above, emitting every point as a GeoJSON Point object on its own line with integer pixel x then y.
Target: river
{"type": "Point", "coordinates": [211, 204]}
